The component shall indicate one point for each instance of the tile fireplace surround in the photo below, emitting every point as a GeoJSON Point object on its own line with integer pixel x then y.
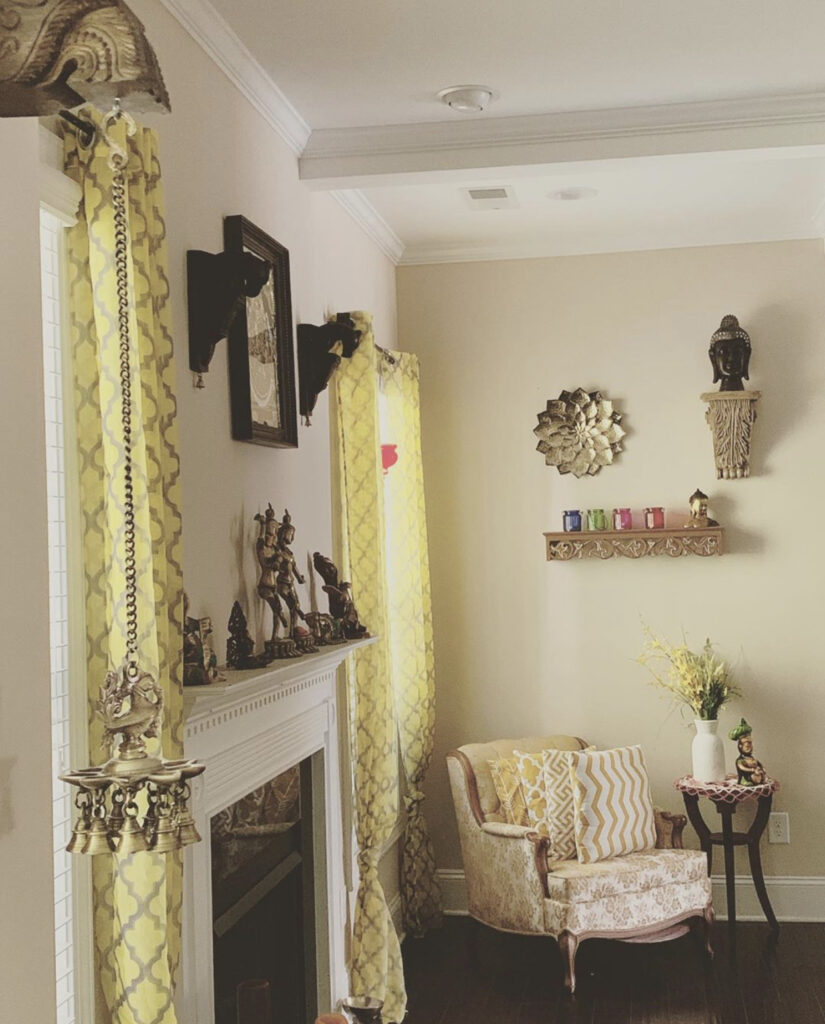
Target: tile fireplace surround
{"type": "Point", "coordinates": [247, 730]}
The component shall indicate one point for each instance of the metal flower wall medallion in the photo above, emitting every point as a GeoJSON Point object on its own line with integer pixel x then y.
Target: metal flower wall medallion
{"type": "Point", "coordinates": [579, 432]}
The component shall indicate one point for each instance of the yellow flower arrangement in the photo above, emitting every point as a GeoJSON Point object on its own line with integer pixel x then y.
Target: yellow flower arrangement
{"type": "Point", "coordinates": [700, 680]}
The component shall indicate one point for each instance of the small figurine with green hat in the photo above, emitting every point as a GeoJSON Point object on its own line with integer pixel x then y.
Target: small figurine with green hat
{"type": "Point", "coordinates": [750, 771]}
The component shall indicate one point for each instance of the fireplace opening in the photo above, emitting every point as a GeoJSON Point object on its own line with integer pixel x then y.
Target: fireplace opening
{"type": "Point", "coordinates": [264, 900]}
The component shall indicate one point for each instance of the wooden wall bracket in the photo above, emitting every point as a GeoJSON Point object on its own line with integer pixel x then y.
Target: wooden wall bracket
{"type": "Point", "coordinates": [320, 351]}
{"type": "Point", "coordinates": [730, 416]}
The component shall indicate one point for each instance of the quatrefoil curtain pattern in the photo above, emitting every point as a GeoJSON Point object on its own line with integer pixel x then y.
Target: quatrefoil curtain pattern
{"type": "Point", "coordinates": [390, 683]}
{"type": "Point", "coordinates": [137, 899]}
{"type": "Point", "coordinates": [410, 634]}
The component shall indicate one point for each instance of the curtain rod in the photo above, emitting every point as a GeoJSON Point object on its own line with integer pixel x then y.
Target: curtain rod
{"type": "Point", "coordinates": [86, 129]}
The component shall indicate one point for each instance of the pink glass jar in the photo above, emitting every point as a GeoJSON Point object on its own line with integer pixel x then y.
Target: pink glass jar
{"type": "Point", "coordinates": [622, 519]}
{"type": "Point", "coordinates": [655, 518]}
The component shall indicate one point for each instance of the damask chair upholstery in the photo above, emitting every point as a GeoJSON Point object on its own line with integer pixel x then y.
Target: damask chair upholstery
{"type": "Point", "coordinates": [513, 886]}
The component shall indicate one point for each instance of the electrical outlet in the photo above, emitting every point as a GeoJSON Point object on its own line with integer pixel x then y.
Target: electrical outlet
{"type": "Point", "coordinates": [779, 827]}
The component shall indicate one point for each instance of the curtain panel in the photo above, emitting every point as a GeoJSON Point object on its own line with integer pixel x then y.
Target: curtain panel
{"type": "Point", "coordinates": [137, 899]}
{"type": "Point", "coordinates": [375, 954]}
{"type": "Point", "coordinates": [410, 621]}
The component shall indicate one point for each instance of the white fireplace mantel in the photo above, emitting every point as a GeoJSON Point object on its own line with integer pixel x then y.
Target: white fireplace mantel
{"type": "Point", "coordinates": [248, 729]}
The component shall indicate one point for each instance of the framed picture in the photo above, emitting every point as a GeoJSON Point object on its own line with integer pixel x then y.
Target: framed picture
{"type": "Point", "coordinates": [261, 353]}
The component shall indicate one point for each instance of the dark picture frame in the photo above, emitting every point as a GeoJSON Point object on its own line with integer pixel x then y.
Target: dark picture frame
{"type": "Point", "coordinates": [261, 346]}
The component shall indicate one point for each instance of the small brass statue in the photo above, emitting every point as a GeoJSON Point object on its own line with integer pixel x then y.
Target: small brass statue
{"type": "Point", "coordinates": [341, 605]}
{"type": "Point", "coordinates": [240, 646]}
{"type": "Point", "coordinates": [699, 518]}
{"type": "Point", "coordinates": [730, 354]}
{"type": "Point", "coordinates": [749, 771]}
{"type": "Point", "coordinates": [131, 706]}
{"type": "Point", "coordinates": [200, 664]}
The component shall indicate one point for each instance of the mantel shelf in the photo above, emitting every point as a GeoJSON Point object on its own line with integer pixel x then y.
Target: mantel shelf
{"type": "Point", "coordinates": [704, 541]}
{"type": "Point", "coordinates": [204, 700]}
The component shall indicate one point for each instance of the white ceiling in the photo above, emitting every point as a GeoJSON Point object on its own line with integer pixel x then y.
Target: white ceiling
{"type": "Point", "coordinates": [647, 203]}
{"type": "Point", "coordinates": [699, 123]}
{"type": "Point", "coordinates": [371, 62]}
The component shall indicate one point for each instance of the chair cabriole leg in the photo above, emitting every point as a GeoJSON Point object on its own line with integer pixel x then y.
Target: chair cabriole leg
{"type": "Point", "coordinates": [568, 944]}
{"type": "Point", "coordinates": [710, 918]}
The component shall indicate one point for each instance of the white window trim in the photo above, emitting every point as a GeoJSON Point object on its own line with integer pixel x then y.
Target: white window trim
{"type": "Point", "coordinates": [61, 196]}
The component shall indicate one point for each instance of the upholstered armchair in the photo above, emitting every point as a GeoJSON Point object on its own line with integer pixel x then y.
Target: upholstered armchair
{"type": "Point", "coordinates": [513, 886]}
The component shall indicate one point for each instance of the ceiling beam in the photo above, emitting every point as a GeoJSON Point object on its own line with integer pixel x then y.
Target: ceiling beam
{"type": "Point", "coordinates": [336, 158]}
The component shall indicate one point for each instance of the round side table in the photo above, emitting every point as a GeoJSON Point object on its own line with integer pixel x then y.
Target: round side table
{"type": "Point", "coordinates": [726, 796]}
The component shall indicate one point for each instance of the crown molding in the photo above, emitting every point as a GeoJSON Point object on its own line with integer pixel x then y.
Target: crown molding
{"type": "Point", "coordinates": [415, 256]}
{"type": "Point", "coordinates": [370, 220]}
{"type": "Point", "coordinates": [217, 39]}
{"type": "Point", "coordinates": [335, 157]}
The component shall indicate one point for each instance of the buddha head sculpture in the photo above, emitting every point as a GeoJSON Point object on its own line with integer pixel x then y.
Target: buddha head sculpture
{"type": "Point", "coordinates": [730, 354]}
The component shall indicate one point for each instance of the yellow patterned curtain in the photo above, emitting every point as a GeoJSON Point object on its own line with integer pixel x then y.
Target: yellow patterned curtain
{"type": "Point", "coordinates": [375, 955]}
{"type": "Point", "coordinates": [138, 898]}
{"type": "Point", "coordinates": [410, 629]}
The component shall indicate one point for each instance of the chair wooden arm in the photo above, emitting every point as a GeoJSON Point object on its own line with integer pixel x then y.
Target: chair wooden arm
{"type": "Point", "coordinates": [669, 828]}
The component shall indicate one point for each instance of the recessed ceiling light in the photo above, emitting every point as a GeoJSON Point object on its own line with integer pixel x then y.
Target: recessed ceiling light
{"type": "Point", "coordinates": [468, 99]}
{"type": "Point", "coordinates": [567, 195]}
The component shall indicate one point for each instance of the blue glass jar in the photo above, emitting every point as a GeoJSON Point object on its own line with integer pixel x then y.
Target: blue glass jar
{"type": "Point", "coordinates": [572, 521]}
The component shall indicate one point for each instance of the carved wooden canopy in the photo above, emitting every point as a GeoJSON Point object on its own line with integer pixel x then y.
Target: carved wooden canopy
{"type": "Point", "coordinates": [56, 54]}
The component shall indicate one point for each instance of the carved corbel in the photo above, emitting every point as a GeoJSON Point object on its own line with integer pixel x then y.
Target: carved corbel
{"type": "Point", "coordinates": [730, 416]}
{"type": "Point", "coordinates": [217, 284]}
{"type": "Point", "coordinates": [56, 54]}
{"type": "Point", "coordinates": [320, 351]}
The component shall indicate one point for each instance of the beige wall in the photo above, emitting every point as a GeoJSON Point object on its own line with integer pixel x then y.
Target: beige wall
{"type": "Point", "coordinates": [525, 647]}
{"type": "Point", "coordinates": [27, 931]}
{"type": "Point", "coordinates": [219, 157]}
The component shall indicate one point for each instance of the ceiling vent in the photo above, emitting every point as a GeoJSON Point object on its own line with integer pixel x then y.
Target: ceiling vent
{"type": "Point", "coordinates": [500, 197]}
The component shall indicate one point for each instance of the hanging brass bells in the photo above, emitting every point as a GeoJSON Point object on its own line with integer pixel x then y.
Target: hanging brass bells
{"type": "Point", "coordinates": [135, 801]}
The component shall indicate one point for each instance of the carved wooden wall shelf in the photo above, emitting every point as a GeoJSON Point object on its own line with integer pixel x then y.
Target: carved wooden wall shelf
{"type": "Point", "coordinates": [563, 547]}
{"type": "Point", "coordinates": [730, 416]}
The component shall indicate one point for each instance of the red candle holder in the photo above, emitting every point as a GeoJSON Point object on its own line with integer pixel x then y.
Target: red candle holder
{"type": "Point", "coordinates": [655, 518]}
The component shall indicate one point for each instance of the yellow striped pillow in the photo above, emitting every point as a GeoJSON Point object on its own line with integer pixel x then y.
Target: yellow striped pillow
{"type": "Point", "coordinates": [508, 790]}
{"type": "Point", "coordinates": [612, 804]}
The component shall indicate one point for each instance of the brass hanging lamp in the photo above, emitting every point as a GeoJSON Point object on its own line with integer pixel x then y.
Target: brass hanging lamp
{"type": "Point", "coordinates": [135, 801]}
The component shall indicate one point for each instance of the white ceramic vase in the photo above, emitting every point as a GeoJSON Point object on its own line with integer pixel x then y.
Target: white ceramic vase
{"type": "Point", "coordinates": [708, 752]}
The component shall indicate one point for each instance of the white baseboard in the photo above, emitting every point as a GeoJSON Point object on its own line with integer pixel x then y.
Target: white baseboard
{"type": "Point", "coordinates": [793, 898]}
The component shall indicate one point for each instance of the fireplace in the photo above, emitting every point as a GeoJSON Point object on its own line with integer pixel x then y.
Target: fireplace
{"type": "Point", "coordinates": [263, 898]}
{"type": "Point", "coordinates": [250, 730]}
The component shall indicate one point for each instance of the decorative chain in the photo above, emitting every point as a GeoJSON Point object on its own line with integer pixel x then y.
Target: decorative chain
{"type": "Point", "coordinates": [118, 159]}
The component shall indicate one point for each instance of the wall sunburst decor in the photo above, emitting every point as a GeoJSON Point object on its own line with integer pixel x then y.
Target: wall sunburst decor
{"type": "Point", "coordinates": [579, 432]}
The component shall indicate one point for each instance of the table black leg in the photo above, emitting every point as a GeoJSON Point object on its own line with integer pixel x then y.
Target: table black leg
{"type": "Point", "coordinates": [726, 811]}
{"type": "Point", "coordinates": [702, 831]}
{"type": "Point", "coordinates": [754, 835]}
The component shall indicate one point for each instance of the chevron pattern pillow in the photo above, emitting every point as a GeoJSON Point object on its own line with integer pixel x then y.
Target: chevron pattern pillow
{"type": "Point", "coordinates": [612, 805]}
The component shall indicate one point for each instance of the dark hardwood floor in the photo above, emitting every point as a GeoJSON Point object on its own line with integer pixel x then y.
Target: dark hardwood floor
{"type": "Point", "coordinates": [466, 973]}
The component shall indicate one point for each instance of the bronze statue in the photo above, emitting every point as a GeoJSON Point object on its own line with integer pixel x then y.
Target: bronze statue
{"type": "Point", "coordinates": [341, 606]}
{"type": "Point", "coordinates": [266, 548]}
{"type": "Point", "coordinates": [131, 706]}
{"type": "Point", "coordinates": [749, 771]}
{"type": "Point", "coordinates": [730, 354]}
{"type": "Point", "coordinates": [276, 585]}
{"type": "Point", "coordinates": [200, 664]}
{"type": "Point", "coordinates": [240, 646]}
{"type": "Point", "coordinates": [699, 518]}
